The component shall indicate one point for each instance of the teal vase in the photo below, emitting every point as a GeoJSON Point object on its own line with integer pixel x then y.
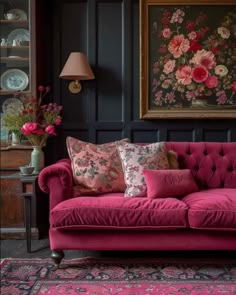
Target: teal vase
{"type": "Point", "coordinates": [37, 159]}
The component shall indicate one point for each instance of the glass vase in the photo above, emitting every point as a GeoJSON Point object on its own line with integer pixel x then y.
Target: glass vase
{"type": "Point", "coordinates": [15, 138]}
{"type": "Point", "coordinates": [37, 159]}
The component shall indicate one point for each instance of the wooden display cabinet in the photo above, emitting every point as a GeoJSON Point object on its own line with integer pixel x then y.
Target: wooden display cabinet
{"type": "Point", "coordinates": [21, 69]}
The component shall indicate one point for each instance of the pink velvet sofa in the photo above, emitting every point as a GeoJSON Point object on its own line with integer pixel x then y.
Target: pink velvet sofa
{"type": "Point", "coordinates": [203, 220]}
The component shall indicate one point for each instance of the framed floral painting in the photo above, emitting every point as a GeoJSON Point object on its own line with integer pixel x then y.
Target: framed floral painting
{"type": "Point", "coordinates": [187, 59]}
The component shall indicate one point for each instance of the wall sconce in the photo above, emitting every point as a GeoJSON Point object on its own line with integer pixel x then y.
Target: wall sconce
{"type": "Point", "coordinates": [76, 68]}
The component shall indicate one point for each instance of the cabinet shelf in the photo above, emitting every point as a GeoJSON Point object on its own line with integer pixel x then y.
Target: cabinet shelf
{"type": "Point", "coordinates": [14, 21]}
{"type": "Point", "coordinates": [4, 92]}
{"type": "Point", "coordinates": [14, 59]}
{"type": "Point", "coordinates": [14, 47]}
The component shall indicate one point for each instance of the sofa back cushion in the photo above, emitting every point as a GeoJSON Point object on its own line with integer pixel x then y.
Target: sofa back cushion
{"type": "Point", "coordinates": [96, 169]}
{"type": "Point", "coordinates": [213, 164]}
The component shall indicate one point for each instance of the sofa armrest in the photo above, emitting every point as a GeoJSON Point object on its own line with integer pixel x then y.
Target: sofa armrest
{"type": "Point", "coordinates": [57, 181]}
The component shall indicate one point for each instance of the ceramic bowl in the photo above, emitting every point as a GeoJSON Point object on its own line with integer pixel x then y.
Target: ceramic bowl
{"type": "Point", "coordinates": [26, 170]}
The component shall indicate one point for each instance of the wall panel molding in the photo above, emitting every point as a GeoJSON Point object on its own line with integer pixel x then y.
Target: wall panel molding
{"type": "Point", "coordinates": [107, 31]}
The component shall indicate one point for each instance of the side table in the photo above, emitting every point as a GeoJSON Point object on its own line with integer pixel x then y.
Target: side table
{"type": "Point", "coordinates": [36, 206]}
{"type": "Point", "coordinates": [29, 187]}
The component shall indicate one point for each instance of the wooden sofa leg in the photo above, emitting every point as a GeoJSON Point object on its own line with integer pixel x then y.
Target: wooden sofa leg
{"type": "Point", "coordinates": [57, 257]}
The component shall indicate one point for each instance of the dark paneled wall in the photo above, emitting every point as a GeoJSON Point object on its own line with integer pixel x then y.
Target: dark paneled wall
{"type": "Point", "coordinates": [107, 31]}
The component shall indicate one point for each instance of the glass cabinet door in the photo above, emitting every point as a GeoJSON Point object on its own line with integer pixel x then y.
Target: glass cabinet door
{"type": "Point", "coordinates": [16, 46]}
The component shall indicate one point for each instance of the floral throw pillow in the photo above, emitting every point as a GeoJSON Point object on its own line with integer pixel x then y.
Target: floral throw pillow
{"type": "Point", "coordinates": [135, 158]}
{"type": "Point", "coordinates": [96, 169]}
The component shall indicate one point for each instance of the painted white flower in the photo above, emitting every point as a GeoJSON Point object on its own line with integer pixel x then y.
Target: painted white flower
{"type": "Point", "coordinates": [221, 70]}
{"type": "Point", "coordinates": [177, 16]}
{"type": "Point", "coordinates": [223, 32]}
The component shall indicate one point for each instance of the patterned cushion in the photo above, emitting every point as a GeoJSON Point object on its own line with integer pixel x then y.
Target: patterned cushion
{"type": "Point", "coordinates": [96, 168]}
{"type": "Point", "coordinates": [135, 158]}
{"type": "Point", "coordinates": [169, 183]}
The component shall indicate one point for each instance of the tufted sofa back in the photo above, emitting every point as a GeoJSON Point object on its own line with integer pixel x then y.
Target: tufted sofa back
{"type": "Point", "coordinates": [213, 164]}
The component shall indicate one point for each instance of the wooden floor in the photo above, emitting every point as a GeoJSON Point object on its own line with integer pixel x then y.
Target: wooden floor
{"type": "Point", "coordinates": [41, 249]}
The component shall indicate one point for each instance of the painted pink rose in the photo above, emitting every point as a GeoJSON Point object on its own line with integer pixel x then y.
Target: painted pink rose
{"type": "Point", "coordinates": [192, 35]}
{"type": "Point", "coordinates": [204, 58]}
{"type": "Point", "coordinates": [166, 33]}
{"type": "Point", "coordinates": [211, 82]}
{"type": "Point", "coordinates": [50, 129]}
{"type": "Point", "coordinates": [169, 67]}
{"type": "Point", "coordinates": [178, 45]}
{"type": "Point", "coordinates": [184, 75]}
{"type": "Point", "coordinates": [170, 97]}
{"type": "Point", "coordinates": [29, 128]}
{"type": "Point", "coordinates": [199, 74]}
{"type": "Point", "coordinates": [234, 87]}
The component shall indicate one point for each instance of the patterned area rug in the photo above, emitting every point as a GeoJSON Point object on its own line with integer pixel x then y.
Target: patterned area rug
{"type": "Point", "coordinates": [104, 276]}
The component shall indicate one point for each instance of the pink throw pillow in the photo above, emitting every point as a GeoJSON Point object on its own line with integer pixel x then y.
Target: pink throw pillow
{"type": "Point", "coordinates": [96, 169]}
{"type": "Point", "coordinates": [169, 183]}
{"type": "Point", "coordinates": [135, 158]}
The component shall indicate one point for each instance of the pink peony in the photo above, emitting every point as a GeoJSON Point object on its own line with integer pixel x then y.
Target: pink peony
{"type": "Point", "coordinates": [184, 75]}
{"type": "Point", "coordinates": [199, 74]}
{"type": "Point", "coordinates": [204, 58]}
{"type": "Point", "coordinates": [29, 128]}
{"type": "Point", "coordinates": [50, 129]}
{"type": "Point", "coordinates": [178, 45]}
{"type": "Point", "coordinates": [211, 82]}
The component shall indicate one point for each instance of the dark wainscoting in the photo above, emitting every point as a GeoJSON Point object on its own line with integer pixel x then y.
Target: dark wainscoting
{"type": "Point", "coordinates": [108, 107]}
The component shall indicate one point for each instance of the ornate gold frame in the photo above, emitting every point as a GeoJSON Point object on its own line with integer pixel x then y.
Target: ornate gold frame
{"type": "Point", "coordinates": [147, 112]}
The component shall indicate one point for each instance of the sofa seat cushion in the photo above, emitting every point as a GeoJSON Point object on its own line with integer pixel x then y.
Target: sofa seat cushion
{"type": "Point", "coordinates": [212, 209]}
{"type": "Point", "coordinates": [114, 211]}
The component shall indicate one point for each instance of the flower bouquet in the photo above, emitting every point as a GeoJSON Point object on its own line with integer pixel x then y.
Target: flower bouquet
{"type": "Point", "coordinates": [35, 120]}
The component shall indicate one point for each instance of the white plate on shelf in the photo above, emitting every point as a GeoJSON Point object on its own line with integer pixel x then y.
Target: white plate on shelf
{"type": "Point", "coordinates": [12, 106]}
{"type": "Point", "coordinates": [19, 35]}
{"type": "Point", "coordinates": [14, 80]}
{"type": "Point", "coordinates": [19, 14]}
